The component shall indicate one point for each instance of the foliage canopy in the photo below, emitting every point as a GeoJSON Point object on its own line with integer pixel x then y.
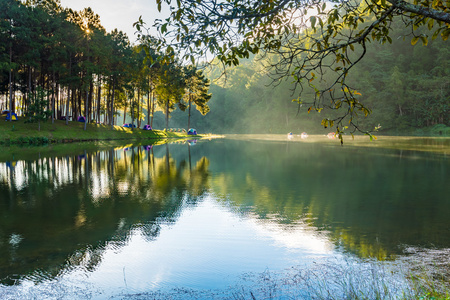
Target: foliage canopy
{"type": "Point", "coordinates": [311, 38]}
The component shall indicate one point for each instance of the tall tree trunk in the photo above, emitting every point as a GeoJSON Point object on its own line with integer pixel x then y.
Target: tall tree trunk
{"type": "Point", "coordinates": [68, 91]}
{"type": "Point", "coordinates": [124, 113]}
{"type": "Point", "coordinates": [148, 107]}
{"type": "Point", "coordinates": [53, 97]}
{"type": "Point", "coordinates": [153, 108]}
{"type": "Point", "coordinates": [10, 83]}
{"type": "Point", "coordinates": [99, 96]}
{"type": "Point", "coordinates": [167, 114]}
{"type": "Point", "coordinates": [112, 103]}
{"type": "Point", "coordinates": [86, 107]}
{"type": "Point", "coordinates": [132, 113]}
{"type": "Point", "coordinates": [138, 106]}
{"type": "Point", "coordinates": [67, 105]}
{"type": "Point", "coordinates": [189, 112]}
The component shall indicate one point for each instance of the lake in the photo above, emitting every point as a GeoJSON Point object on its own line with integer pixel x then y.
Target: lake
{"type": "Point", "coordinates": [241, 217]}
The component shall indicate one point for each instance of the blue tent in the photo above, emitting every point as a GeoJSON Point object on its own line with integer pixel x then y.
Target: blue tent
{"type": "Point", "coordinates": [192, 131]}
{"type": "Point", "coordinates": [81, 119]}
{"type": "Point", "coordinates": [12, 116]}
{"type": "Point", "coordinates": [147, 127]}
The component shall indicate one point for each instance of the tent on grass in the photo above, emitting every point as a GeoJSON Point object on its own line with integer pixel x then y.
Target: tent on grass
{"type": "Point", "coordinates": [192, 131]}
{"type": "Point", "coordinates": [147, 127]}
{"type": "Point", "coordinates": [81, 119]}
{"type": "Point", "coordinates": [11, 116]}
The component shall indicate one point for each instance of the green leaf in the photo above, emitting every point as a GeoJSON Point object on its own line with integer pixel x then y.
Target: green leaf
{"type": "Point", "coordinates": [159, 4]}
{"type": "Point", "coordinates": [313, 21]}
{"type": "Point", "coordinates": [164, 28]}
{"type": "Point", "coordinates": [430, 24]}
{"type": "Point", "coordinates": [445, 34]}
{"type": "Point", "coordinates": [424, 40]}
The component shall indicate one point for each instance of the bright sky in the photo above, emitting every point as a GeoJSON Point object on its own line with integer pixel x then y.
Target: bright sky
{"type": "Point", "coordinates": [120, 14]}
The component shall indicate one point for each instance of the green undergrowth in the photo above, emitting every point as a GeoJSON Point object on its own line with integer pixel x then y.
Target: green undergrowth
{"type": "Point", "coordinates": [438, 130]}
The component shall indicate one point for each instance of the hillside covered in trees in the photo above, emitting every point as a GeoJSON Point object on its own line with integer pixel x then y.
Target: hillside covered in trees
{"type": "Point", "coordinates": [406, 88]}
{"type": "Point", "coordinates": [352, 57]}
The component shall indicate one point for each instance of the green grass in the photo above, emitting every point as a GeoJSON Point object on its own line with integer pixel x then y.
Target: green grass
{"type": "Point", "coordinates": [19, 132]}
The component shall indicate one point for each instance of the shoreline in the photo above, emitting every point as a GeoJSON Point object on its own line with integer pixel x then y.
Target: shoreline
{"type": "Point", "coordinates": [21, 133]}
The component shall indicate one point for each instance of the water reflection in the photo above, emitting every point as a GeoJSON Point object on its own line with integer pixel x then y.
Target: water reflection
{"type": "Point", "coordinates": [166, 212]}
{"type": "Point", "coordinates": [71, 207]}
{"type": "Point", "coordinates": [371, 202]}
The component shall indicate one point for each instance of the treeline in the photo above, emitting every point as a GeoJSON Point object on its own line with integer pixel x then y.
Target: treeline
{"type": "Point", "coordinates": [406, 87]}
{"type": "Point", "coordinates": [58, 62]}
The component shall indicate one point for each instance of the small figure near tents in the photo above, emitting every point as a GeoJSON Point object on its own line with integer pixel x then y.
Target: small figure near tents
{"type": "Point", "coordinates": [147, 127]}
{"type": "Point", "coordinates": [304, 135]}
{"type": "Point", "coordinates": [11, 116]}
{"type": "Point", "coordinates": [192, 131]}
{"type": "Point", "coordinates": [290, 136]}
{"type": "Point", "coordinates": [81, 119]}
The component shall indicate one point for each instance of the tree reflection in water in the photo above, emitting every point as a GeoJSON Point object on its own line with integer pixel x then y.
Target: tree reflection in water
{"type": "Point", "coordinates": [61, 212]}
{"type": "Point", "coordinates": [365, 202]}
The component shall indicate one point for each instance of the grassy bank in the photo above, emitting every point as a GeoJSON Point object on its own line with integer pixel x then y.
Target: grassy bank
{"type": "Point", "coordinates": [438, 130]}
{"type": "Point", "coordinates": [19, 132]}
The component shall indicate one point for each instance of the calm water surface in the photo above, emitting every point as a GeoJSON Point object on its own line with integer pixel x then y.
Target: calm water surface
{"type": "Point", "coordinates": [213, 215]}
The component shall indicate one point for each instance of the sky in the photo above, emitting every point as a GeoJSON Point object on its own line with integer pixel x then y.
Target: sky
{"type": "Point", "coordinates": [120, 14]}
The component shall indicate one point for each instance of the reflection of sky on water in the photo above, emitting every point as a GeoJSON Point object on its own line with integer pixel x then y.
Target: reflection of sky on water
{"type": "Point", "coordinates": [207, 248]}
{"type": "Point", "coordinates": [263, 219]}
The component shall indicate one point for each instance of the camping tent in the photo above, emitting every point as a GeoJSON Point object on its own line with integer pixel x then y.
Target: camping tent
{"type": "Point", "coordinates": [81, 119]}
{"type": "Point", "coordinates": [147, 127]}
{"type": "Point", "coordinates": [192, 131]}
{"type": "Point", "coordinates": [12, 116]}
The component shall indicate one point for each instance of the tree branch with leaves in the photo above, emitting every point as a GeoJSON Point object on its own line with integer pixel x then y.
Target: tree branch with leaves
{"type": "Point", "coordinates": [309, 37]}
